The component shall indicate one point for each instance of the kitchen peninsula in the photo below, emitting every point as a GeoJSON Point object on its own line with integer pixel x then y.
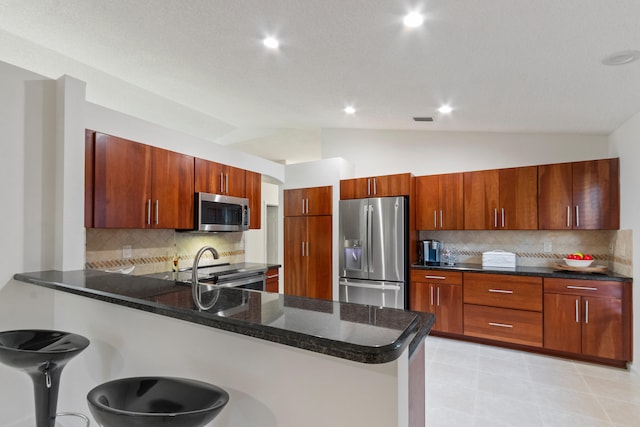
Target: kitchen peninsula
{"type": "Point", "coordinates": [286, 361]}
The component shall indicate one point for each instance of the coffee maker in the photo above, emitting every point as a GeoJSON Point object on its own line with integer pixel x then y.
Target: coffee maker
{"type": "Point", "coordinates": [429, 252]}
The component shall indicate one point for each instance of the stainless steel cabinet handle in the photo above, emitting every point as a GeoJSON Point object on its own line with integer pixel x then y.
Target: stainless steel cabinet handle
{"type": "Point", "coordinates": [500, 291]}
{"type": "Point", "coordinates": [441, 223]}
{"type": "Point", "coordinates": [577, 311]}
{"type": "Point", "coordinates": [501, 325]}
{"type": "Point", "coordinates": [307, 206]}
{"type": "Point", "coordinates": [435, 277]}
{"type": "Point", "coordinates": [438, 296]}
{"type": "Point", "coordinates": [302, 208]}
{"type": "Point", "coordinates": [582, 288]}
{"type": "Point", "coordinates": [568, 216]}
{"type": "Point", "coordinates": [149, 211]}
{"type": "Point", "coordinates": [307, 248]}
{"type": "Point", "coordinates": [368, 186]}
{"type": "Point", "coordinates": [221, 182]}
{"type": "Point", "coordinates": [303, 248]}
{"type": "Point", "coordinates": [495, 218]}
{"type": "Point", "coordinates": [586, 311]}
{"type": "Point", "coordinates": [431, 295]}
{"type": "Point", "coordinates": [502, 217]}
{"type": "Point", "coordinates": [273, 276]}
{"type": "Point", "coordinates": [577, 216]}
{"type": "Point", "coordinates": [375, 187]}
{"type": "Point", "coordinates": [435, 220]}
{"type": "Point", "coordinates": [157, 211]}
{"type": "Point", "coordinates": [226, 176]}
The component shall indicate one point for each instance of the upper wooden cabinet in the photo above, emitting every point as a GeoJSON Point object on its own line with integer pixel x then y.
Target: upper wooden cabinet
{"type": "Point", "coordinates": [579, 195]}
{"type": "Point", "coordinates": [308, 201]}
{"type": "Point", "coordinates": [139, 186]}
{"type": "Point", "coordinates": [216, 178]}
{"type": "Point", "coordinates": [377, 186]}
{"type": "Point", "coordinates": [253, 191]}
{"type": "Point", "coordinates": [501, 199]}
{"type": "Point", "coordinates": [440, 202]}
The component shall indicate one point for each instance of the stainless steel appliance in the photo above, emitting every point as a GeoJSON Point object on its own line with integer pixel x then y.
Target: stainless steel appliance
{"type": "Point", "coordinates": [215, 212]}
{"type": "Point", "coordinates": [429, 252]}
{"type": "Point", "coordinates": [244, 275]}
{"type": "Point", "coordinates": [374, 264]}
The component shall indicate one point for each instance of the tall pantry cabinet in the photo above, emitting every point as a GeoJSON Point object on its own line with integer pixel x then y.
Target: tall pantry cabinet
{"type": "Point", "coordinates": [308, 242]}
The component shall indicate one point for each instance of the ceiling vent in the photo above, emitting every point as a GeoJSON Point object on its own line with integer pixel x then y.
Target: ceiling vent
{"type": "Point", "coordinates": [423, 119]}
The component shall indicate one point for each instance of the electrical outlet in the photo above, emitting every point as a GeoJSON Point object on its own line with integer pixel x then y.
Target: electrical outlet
{"type": "Point", "coordinates": [126, 252]}
{"type": "Point", "coordinates": [547, 247]}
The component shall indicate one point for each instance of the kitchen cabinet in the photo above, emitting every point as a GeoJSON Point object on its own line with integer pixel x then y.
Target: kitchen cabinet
{"type": "Point", "coordinates": [307, 256]}
{"type": "Point", "coordinates": [308, 201]}
{"type": "Point", "coordinates": [272, 280]}
{"type": "Point", "coordinates": [440, 202]}
{"type": "Point", "coordinates": [376, 186]}
{"type": "Point", "coordinates": [216, 178]}
{"type": "Point", "coordinates": [503, 307]}
{"type": "Point", "coordinates": [438, 292]}
{"type": "Point", "coordinates": [139, 186]}
{"type": "Point", "coordinates": [579, 195]}
{"type": "Point", "coordinates": [253, 191]}
{"type": "Point", "coordinates": [501, 199]}
{"type": "Point", "coordinates": [591, 318]}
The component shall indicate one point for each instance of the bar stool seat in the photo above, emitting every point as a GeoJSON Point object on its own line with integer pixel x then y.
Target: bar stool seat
{"type": "Point", "coordinates": [42, 354]}
{"type": "Point", "coordinates": [156, 401]}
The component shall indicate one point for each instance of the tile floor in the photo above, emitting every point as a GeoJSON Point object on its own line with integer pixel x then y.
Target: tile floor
{"type": "Point", "coordinates": [474, 385]}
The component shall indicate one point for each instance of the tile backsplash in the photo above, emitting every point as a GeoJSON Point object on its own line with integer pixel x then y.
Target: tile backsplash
{"type": "Point", "coordinates": [153, 251]}
{"type": "Point", "coordinates": [539, 248]}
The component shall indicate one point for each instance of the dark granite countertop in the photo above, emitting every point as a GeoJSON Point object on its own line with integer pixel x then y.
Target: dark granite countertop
{"type": "Point", "coordinates": [527, 271]}
{"type": "Point", "coordinates": [354, 332]}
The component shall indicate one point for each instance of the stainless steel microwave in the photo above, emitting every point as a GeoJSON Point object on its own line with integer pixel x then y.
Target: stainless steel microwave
{"type": "Point", "coordinates": [215, 212]}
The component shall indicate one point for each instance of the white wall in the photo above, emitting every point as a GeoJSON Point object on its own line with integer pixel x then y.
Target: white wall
{"type": "Point", "coordinates": [625, 144]}
{"type": "Point", "coordinates": [381, 152]}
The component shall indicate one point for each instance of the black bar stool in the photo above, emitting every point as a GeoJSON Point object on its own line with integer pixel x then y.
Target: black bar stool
{"type": "Point", "coordinates": [156, 401]}
{"type": "Point", "coordinates": [42, 354]}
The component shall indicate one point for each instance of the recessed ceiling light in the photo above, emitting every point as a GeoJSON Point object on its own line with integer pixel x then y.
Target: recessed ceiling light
{"type": "Point", "coordinates": [271, 42]}
{"type": "Point", "coordinates": [413, 19]}
{"type": "Point", "coordinates": [349, 110]}
{"type": "Point", "coordinates": [621, 58]}
{"type": "Point", "coordinates": [445, 109]}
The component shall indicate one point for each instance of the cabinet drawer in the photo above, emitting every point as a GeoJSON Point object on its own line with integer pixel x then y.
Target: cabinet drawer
{"type": "Point", "coordinates": [499, 290]}
{"type": "Point", "coordinates": [436, 276]}
{"type": "Point", "coordinates": [503, 324]}
{"type": "Point", "coordinates": [588, 288]}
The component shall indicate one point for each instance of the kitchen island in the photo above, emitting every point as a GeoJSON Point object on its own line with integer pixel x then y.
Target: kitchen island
{"type": "Point", "coordinates": [286, 361]}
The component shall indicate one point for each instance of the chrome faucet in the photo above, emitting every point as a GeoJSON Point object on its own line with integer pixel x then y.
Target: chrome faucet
{"type": "Point", "coordinates": [195, 286]}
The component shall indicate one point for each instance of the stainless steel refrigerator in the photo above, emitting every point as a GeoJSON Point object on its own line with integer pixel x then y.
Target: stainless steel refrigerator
{"type": "Point", "coordinates": [373, 261]}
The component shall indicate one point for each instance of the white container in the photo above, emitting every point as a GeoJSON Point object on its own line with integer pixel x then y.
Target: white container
{"type": "Point", "coordinates": [499, 259]}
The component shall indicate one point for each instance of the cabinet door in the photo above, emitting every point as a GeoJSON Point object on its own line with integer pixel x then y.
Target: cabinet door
{"type": "Point", "coordinates": [602, 330]}
{"type": "Point", "coordinates": [295, 202]}
{"type": "Point", "coordinates": [295, 261]}
{"type": "Point", "coordinates": [320, 200]}
{"type": "Point", "coordinates": [234, 184]}
{"type": "Point", "coordinates": [272, 280]}
{"type": "Point", "coordinates": [390, 185]}
{"type": "Point", "coordinates": [354, 188]}
{"type": "Point", "coordinates": [596, 195]}
{"type": "Point", "coordinates": [320, 272]}
{"type": "Point", "coordinates": [518, 198]}
{"type": "Point", "coordinates": [481, 200]}
{"type": "Point", "coordinates": [253, 191]}
{"type": "Point", "coordinates": [562, 323]}
{"type": "Point", "coordinates": [208, 176]}
{"type": "Point", "coordinates": [172, 190]}
{"type": "Point", "coordinates": [421, 297]}
{"type": "Point", "coordinates": [427, 202]}
{"type": "Point", "coordinates": [448, 299]}
{"type": "Point", "coordinates": [122, 183]}
{"type": "Point", "coordinates": [451, 199]}
{"type": "Point", "coordinates": [555, 199]}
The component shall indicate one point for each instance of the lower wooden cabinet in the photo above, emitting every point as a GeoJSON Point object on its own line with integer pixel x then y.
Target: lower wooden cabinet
{"type": "Point", "coordinates": [591, 318]}
{"type": "Point", "coordinates": [503, 324]}
{"type": "Point", "coordinates": [440, 293]}
{"type": "Point", "coordinates": [272, 280]}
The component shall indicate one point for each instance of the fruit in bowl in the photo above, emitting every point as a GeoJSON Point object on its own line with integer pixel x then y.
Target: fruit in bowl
{"type": "Point", "coordinates": [577, 259]}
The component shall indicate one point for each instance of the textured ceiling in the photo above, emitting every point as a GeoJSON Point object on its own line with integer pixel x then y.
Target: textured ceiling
{"type": "Point", "coordinates": [503, 65]}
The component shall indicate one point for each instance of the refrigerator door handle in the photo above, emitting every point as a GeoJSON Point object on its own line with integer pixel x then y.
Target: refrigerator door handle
{"type": "Point", "coordinates": [346, 282]}
{"type": "Point", "coordinates": [369, 236]}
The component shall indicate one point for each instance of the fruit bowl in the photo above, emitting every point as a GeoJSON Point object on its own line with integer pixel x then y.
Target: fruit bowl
{"type": "Point", "coordinates": [578, 262]}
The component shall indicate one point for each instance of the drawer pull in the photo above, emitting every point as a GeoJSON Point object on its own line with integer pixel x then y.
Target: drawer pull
{"type": "Point", "coordinates": [435, 277]}
{"type": "Point", "coordinates": [273, 276]}
{"type": "Point", "coordinates": [582, 288]}
{"type": "Point", "coordinates": [500, 291]}
{"type": "Point", "coordinates": [501, 325]}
